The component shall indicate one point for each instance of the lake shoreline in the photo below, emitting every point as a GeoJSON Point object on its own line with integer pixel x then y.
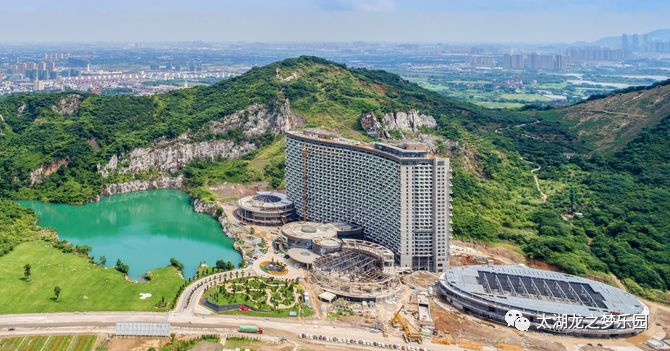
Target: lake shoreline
{"type": "Point", "coordinates": [144, 229]}
{"type": "Point", "coordinates": [176, 183]}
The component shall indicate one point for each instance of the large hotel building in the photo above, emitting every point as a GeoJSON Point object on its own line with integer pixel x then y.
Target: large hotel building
{"type": "Point", "coordinates": [400, 195]}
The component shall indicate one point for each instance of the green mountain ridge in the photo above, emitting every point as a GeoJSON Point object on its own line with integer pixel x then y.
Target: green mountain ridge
{"type": "Point", "coordinates": [607, 123]}
{"type": "Point", "coordinates": [493, 153]}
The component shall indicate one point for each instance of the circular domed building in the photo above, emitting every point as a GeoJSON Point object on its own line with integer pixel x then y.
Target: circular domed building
{"type": "Point", "coordinates": [550, 301]}
{"type": "Point", "coordinates": [318, 237]}
{"type": "Point", "coordinates": [265, 208]}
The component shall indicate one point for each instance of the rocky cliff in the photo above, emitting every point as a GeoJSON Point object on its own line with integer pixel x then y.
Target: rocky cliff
{"type": "Point", "coordinates": [69, 105]}
{"type": "Point", "coordinates": [141, 185]}
{"type": "Point", "coordinates": [257, 119]}
{"type": "Point", "coordinates": [215, 211]}
{"type": "Point", "coordinates": [170, 156]}
{"type": "Point", "coordinates": [45, 170]}
{"type": "Point", "coordinates": [399, 122]}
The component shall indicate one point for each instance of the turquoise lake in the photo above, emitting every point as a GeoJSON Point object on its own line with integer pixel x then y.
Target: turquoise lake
{"type": "Point", "coordinates": [143, 229]}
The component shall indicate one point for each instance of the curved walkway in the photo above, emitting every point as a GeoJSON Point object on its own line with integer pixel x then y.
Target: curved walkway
{"type": "Point", "coordinates": [534, 171]}
{"type": "Point", "coordinates": [189, 298]}
{"type": "Point", "coordinates": [537, 183]}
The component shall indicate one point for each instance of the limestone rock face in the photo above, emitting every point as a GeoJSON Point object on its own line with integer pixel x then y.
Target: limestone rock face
{"type": "Point", "coordinates": [406, 126]}
{"type": "Point", "coordinates": [402, 122]}
{"type": "Point", "coordinates": [68, 105]}
{"type": "Point", "coordinates": [45, 170]}
{"type": "Point", "coordinates": [257, 119]}
{"type": "Point", "coordinates": [141, 185]}
{"type": "Point", "coordinates": [170, 156]}
{"type": "Point", "coordinates": [173, 155]}
{"type": "Point", "coordinates": [371, 125]}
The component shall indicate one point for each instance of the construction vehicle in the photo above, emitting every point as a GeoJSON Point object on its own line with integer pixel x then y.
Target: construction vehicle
{"type": "Point", "coordinates": [410, 333]}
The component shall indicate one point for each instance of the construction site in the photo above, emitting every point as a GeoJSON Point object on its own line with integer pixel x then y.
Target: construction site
{"type": "Point", "coordinates": [361, 271]}
{"type": "Point", "coordinates": [343, 288]}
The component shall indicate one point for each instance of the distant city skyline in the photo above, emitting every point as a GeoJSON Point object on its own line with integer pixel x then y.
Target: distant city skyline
{"type": "Point", "coordinates": [449, 21]}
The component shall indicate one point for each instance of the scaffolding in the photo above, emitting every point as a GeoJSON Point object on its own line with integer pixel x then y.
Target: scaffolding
{"type": "Point", "coordinates": [355, 274]}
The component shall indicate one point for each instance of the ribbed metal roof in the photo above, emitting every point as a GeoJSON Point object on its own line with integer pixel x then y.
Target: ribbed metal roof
{"type": "Point", "coordinates": [264, 200]}
{"type": "Point", "coordinates": [539, 290]}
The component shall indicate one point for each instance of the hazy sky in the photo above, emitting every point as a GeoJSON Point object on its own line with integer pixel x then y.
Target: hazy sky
{"type": "Point", "coordinates": [328, 20]}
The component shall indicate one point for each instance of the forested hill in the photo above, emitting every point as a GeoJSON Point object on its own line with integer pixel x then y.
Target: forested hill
{"type": "Point", "coordinates": [67, 147]}
{"type": "Point", "coordinates": [617, 176]}
{"type": "Point", "coordinates": [70, 134]}
{"type": "Point", "coordinates": [609, 122]}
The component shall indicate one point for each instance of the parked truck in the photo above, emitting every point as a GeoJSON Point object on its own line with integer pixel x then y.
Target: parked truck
{"type": "Point", "coordinates": [251, 329]}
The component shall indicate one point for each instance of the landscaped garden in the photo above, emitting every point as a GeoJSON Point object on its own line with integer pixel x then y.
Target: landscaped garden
{"type": "Point", "coordinates": [263, 296]}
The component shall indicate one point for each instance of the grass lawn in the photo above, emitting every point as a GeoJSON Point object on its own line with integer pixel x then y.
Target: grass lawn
{"type": "Point", "coordinates": [85, 286]}
{"type": "Point", "coordinates": [306, 312]}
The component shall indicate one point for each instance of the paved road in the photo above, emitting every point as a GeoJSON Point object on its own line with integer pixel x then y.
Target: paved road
{"type": "Point", "coordinates": [97, 322]}
{"type": "Point", "coordinates": [185, 317]}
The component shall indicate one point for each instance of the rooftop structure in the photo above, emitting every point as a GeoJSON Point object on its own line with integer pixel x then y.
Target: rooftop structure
{"type": "Point", "coordinates": [265, 208]}
{"type": "Point", "coordinates": [362, 270]}
{"type": "Point", "coordinates": [491, 291]}
{"type": "Point", "coordinates": [319, 237]}
{"type": "Point", "coordinates": [399, 194]}
{"type": "Point", "coordinates": [142, 329]}
{"type": "Point", "coordinates": [303, 256]}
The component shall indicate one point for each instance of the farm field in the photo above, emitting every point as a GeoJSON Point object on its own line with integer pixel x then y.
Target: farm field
{"type": "Point", "coordinates": [50, 343]}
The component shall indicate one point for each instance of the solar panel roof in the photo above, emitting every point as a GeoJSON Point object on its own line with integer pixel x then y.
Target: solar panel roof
{"type": "Point", "coordinates": [539, 290]}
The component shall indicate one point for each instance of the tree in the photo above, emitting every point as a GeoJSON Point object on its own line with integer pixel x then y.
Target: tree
{"type": "Point", "coordinates": [57, 292]}
{"type": "Point", "coordinates": [121, 267]}
{"type": "Point", "coordinates": [102, 260]}
{"type": "Point", "coordinates": [83, 249]}
{"type": "Point", "coordinates": [27, 271]}
{"type": "Point", "coordinates": [176, 264]}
